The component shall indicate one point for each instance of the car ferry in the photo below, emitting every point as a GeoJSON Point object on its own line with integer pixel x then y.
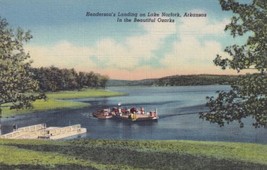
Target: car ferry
{"type": "Point", "coordinates": [132, 114]}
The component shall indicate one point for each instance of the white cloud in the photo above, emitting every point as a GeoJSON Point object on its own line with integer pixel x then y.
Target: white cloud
{"type": "Point", "coordinates": [126, 55]}
{"type": "Point", "coordinates": [63, 54]}
{"type": "Point", "coordinates": [201, 26]}
{"type": "Point", "coordinates": [195, 48]}
{"type": "Point", "coordinates": [108, 52]}
{"type": "Point", "coordinates": [192, 50]}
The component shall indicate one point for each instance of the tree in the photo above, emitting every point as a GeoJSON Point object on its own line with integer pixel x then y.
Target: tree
{"type": "Point", "coordinates": [54, 79]}
{"type": "Point", "coordinates": [103, 81]}
{"type": "Point", "coordinates": [248, 96]}
{"type": "Point", "coordinates": [17, 88]}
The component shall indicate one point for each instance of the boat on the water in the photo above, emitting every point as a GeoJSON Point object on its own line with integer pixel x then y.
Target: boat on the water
{"type": "Point", "coordinates": [133, 114]}
{"type": "Point", "coordinates": [103, 114]}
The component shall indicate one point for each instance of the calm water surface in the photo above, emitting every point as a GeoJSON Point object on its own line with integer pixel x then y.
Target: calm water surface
{"type": "Point", "coordinates": [178, 108]}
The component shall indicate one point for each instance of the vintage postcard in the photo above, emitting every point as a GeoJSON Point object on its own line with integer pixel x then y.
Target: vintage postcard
{"type": "Point", "coordinates": [133, 84]}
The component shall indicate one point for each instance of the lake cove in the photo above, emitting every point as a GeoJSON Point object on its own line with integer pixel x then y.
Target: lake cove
{"type": "Point", "coordinates": [57, 100]}
{"type": "Point", "coordinates": [177, 107]}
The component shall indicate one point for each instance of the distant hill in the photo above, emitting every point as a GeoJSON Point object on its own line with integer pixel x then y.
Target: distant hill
{"type": "Point", "coordinates": [177, 80]}
{"type": "Point", "coordinates": [145, 82]}
{"type": "Point", "coordinates": [192, 80]}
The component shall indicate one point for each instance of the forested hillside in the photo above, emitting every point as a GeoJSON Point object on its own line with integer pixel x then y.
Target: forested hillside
{"type": "Point", "coordinates": [177, 80]}
{"type": "Point", "coordinates": [192, 80]}
{"type": "Point", "coordinates": [145, 82]}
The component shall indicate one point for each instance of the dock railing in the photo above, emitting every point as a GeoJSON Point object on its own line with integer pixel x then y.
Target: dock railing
{"type": "Point", "coordinates": [40, 131]}
{"type": "Point", "coordinates": [20, 131]}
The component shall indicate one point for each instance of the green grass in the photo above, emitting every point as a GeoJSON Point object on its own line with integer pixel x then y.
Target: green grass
{"type": "Point", "coordinates": [86, 93]}
{"type": "Point", "coordinates": [55, 100]}
{"type": "Point", "coordinates": [124, 154]}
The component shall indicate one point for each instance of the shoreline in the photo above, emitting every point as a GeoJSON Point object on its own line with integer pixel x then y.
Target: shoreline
{"type": "Point", "coordinates": [61, 100]}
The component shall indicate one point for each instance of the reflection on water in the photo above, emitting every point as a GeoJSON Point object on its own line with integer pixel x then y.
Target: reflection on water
{"type": "Point", "coordinates": [178, 108]}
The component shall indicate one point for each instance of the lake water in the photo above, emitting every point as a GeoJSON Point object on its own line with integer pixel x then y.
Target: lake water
{"type": "Point", "coordinates": [178, 108]}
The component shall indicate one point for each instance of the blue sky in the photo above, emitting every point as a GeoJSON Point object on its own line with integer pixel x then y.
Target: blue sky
{"type": "Point", "coordinates": [65, 37]}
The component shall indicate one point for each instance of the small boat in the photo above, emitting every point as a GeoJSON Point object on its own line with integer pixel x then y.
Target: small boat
{"type": "Point", "coordinates": [103, 114]}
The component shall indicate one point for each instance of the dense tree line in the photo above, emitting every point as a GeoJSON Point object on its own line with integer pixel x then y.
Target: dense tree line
{"type": "Point", "coordinates": [16, 84]}
{"type": "Point", "coordinates": [55, 79]}
{"type": "Point", "coordinates": [192, 80]}
{"type": "Point", "coordinates": [248, 96]}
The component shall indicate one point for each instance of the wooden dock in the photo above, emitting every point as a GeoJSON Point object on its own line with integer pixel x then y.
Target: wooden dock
{"type": "Point", "coordinates": [40, 131]}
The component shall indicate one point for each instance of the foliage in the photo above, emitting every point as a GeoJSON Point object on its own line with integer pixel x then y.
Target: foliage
{"type": "Point", "coordinates": [123, 154]}
{"type": "Point", "coordinates": [16, 83]}
{"type": "Point", "coordinates": [248, 96]}
{"type": "Point", "coordinates": [55, 79]}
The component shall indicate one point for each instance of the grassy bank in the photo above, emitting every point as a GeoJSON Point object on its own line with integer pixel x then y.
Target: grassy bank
{"type": "Point", "coordinates": [109, 154]}
{"type": "Point", "coordinates": [55, 100]}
